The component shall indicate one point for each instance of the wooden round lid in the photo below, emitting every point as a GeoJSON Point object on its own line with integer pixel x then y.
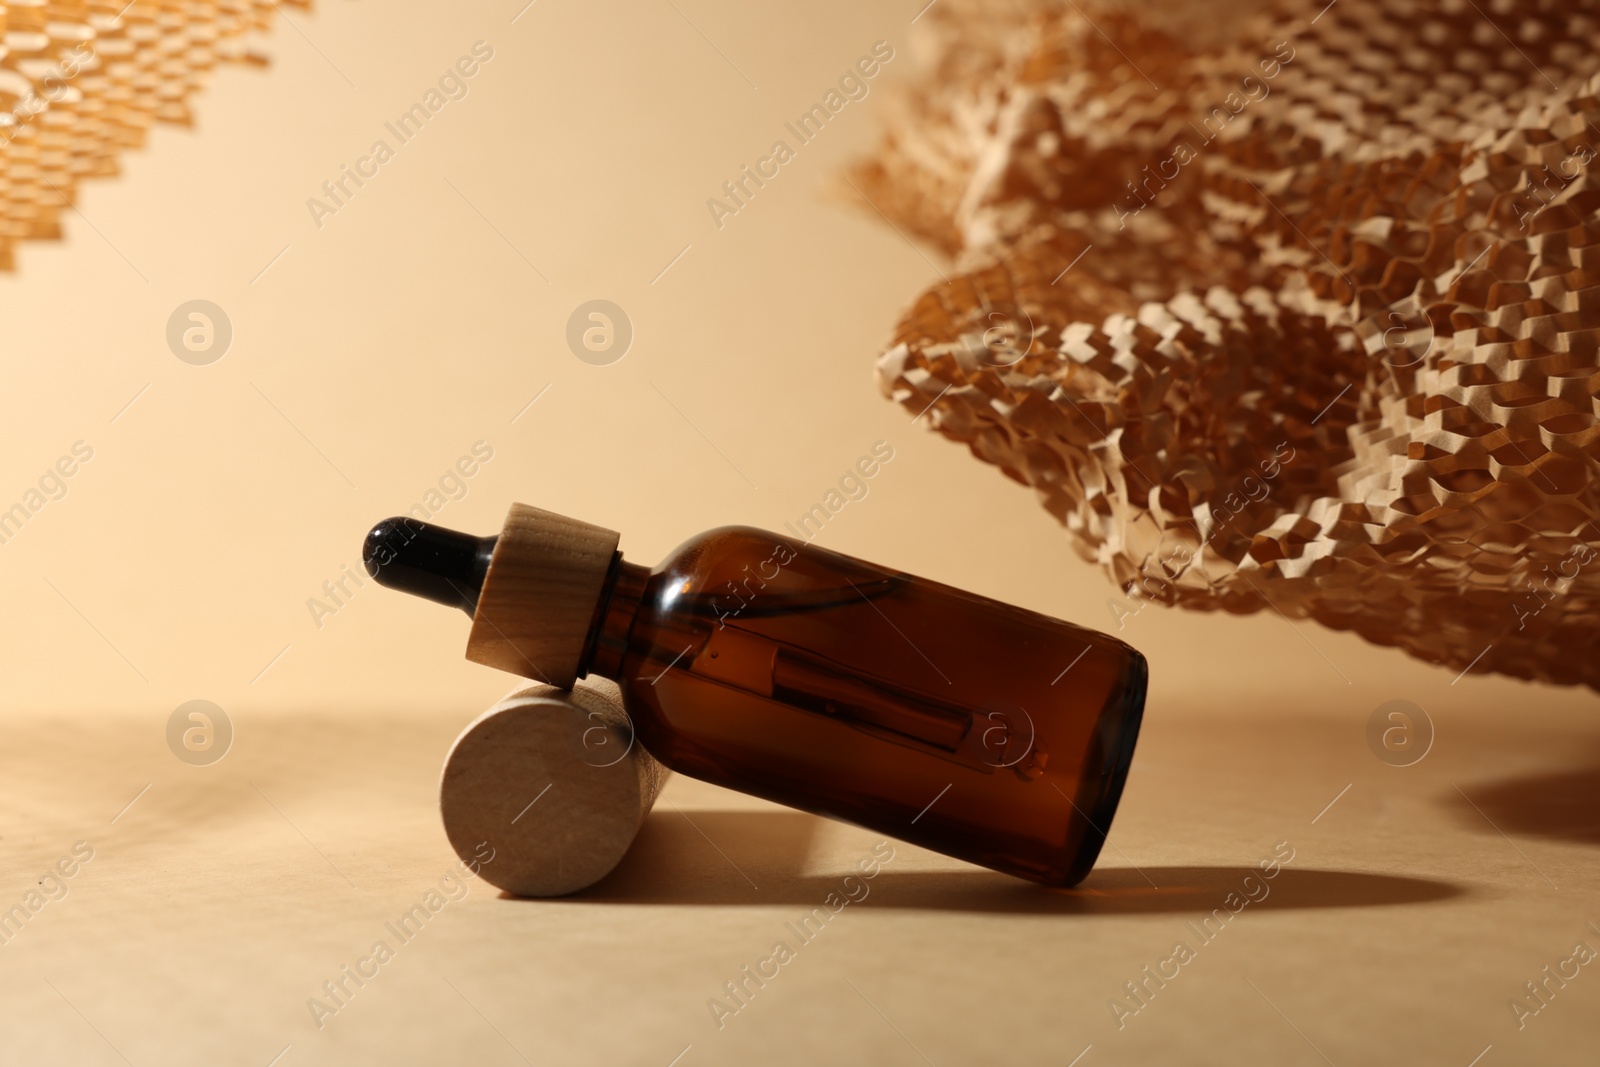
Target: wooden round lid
{"type": "Point", "coordinates": [540, 595]}
{"type": "Point", "coordinates": [547, 790]}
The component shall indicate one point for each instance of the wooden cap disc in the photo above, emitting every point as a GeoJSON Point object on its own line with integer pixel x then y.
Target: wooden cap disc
{"type": "Point", "coordinates": [540, 595]}
{"type": "Point", "coordinates": [553, 783]}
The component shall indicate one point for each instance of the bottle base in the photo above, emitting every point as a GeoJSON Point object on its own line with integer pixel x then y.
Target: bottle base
{"type": "Point", "coordinates": [1119, 731]}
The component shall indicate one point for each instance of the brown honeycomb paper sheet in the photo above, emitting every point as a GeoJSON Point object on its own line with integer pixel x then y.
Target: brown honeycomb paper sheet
{"type": "Point", "coordinates": [83, 80]}
{"type": "Point", "coordinates": [1305, 321]}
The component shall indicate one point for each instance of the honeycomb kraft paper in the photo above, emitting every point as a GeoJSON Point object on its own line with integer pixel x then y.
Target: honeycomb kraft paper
{"type": "Point", "coordinates": [83, 80]}
{"type": "Point", "coordinates": [1292, 312]}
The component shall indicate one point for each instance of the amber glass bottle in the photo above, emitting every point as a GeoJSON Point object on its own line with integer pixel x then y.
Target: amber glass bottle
{"type": "Point", "coordinates": [813, 679]}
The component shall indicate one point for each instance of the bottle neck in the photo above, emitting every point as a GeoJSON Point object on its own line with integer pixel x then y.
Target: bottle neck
{"type": "Point", "coordinates": [619, 603]}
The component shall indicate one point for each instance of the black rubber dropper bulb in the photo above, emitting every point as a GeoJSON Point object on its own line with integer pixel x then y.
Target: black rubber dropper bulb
{"type": "Point", "coordinates": [428, 561]}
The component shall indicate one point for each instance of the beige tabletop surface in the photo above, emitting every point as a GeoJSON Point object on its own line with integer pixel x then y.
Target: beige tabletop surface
{"type": "Point", "coordinates": [1410, 907]}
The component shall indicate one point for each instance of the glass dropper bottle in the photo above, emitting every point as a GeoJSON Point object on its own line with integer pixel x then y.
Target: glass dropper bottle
{"type": "Point", "coordinates": [768, 665]}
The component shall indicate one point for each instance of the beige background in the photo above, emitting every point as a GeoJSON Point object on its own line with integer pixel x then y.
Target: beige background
{"type": "Point", "coordinates": [378, 349]}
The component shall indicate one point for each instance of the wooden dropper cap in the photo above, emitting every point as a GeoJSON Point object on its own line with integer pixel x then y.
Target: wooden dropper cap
{"type": "Point", "coordinates": [540, 595]}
